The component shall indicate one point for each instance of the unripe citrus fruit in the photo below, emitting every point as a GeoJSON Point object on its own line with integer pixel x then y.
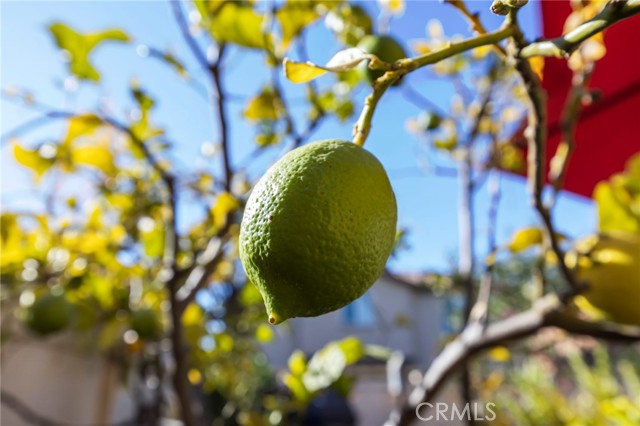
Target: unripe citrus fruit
{"type": "Point", "coordinates": [146, 322]}
{"type": "Point", "coordinates": [386, 48]}
{"type": "Point", "coordinates": [610, 264]}
{"type": "Point", "coordinates": [318, 229]}
{"type": "Point", "coordinates": [49, 313]}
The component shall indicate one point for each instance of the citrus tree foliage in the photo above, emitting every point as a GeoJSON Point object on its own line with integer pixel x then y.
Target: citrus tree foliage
{"type": "Point", "coordinates": [124, 279]}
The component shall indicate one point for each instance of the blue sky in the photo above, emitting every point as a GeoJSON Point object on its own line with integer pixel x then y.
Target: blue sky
{"type": "Point", "coordinates": [427, 203]}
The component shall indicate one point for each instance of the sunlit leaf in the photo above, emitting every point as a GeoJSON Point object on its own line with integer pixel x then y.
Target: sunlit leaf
{"type": "Point", "coordinates": [32, 160]}
{"type": "Point", "coordinates": [613, 209]}
{"type": "Point", "coordinates": [142, 128]}
{"type": "Point", "coordinates": [264, 333]}
{"type": "Point", "coordinates": [352, 348]}
{"type": "Point", "coordinates": [224, 205]}
{"type": "Point", "coordinates": [524, 239]}
{"type": "Point", "coordinates": [297, 388]}
{"type": "Point", "coordinates": [98, 156]}
{"type": "Point", "coordinates": [302, 72]}
{"type": "Point", "coordinates": [537, 65]}
{"type": "Point", "coordinates": [297, 363]}
{"type": "Point", "coordinates": [79, 46]}
{"type": "Point", "coordinates": [265, 106]}
{"type": "Point", "coordinates": [81, 125]}
{"type": "Point", "coordinates": [294, 16]}
{"type": "Point", "coordinates": [238, 23]}
{"type": "Point", "coordinates": [324, 368]}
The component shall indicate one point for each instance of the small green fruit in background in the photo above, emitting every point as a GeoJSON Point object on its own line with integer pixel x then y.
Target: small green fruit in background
{"type": "Point", "coordinates": [146, 322]}
{"type": "Point", "coordinates": [386, 48]}
{"type": "Point", "coordinates": [49, 314]}
{"type": "Point", "coordinates": [318, 229]}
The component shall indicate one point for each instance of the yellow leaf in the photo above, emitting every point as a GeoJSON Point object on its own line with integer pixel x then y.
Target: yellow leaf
{"type": "Point", "coordinates": [224, 342]}
{"type": "Point", "coordinates": [80, 126]}
{"type": "Point", "coordinates": [293, 17]}
{"type": "Point", "coordinates": [265, 106]}
{"type": "Point", "coordinates": [301, 72]}
{"type": "Point", "coordinates": [264, 333]}
{"type": "Point", "coordinates": [98, 156]}
{"type": "Point", "coordinates": [32, 160]}
{"type": "Point", "coordinates": [225, 205]}
{"type": "Point", "coordinates": [344, 60]}
{"type": "Point", "coordinates": [537, 65]}
{"type": "Point", "coordinates": [500, 354]}
{"type": "Point", "coordinates": [297, 363]}
{"type": "Point", "coordinates": [238, 23]}
{"type": "Point", "coordinates": [525, 238]}
{"type": "Point", "coordinates": [193, 315]}
{"type": "Point", "coordinates": [195, 377]}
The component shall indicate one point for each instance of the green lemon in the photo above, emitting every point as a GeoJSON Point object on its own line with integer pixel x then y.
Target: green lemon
{"type": "Point", "coordinates": [318, 229]}
{"type": "Point", "coordinates": [49, 313]}
{"type": "Point", "coordinates": [610, 264]}
{"type": "Point", "coordinates": [386, 48]}
{"type": "Point", "coordinates": [146, 322]}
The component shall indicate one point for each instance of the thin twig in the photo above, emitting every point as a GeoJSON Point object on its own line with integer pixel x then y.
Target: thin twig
{"type": "Point", "coordinates": [474, 20]}
{"type": "Point", "coordinates": [405, 66]}
{"type": "Point", "coordinates": [562, 47]}
{"type": "Point", "coordinates": [536, 135]}
{"type": "Point", "coordinates": [187, 36]}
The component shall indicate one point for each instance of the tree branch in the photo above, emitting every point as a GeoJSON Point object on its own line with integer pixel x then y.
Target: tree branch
{"type": "Point", "coordinates": [404, 66]}
{"type": "Point", "coordinates": [186, 35]}
{"type": "Point", "coordinates": [222, 119]}
{"type": "Point", "coordinates": [563, 46]}
{"type": "Point", "coordinates": [547, 312]}
{"type": "Point", "coordinates": [536, 135]}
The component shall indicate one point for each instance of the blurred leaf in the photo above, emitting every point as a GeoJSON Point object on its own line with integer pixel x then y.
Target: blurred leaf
{"type": "Point", "coordinates": [352, 348]}
{"type": "Point", "coordinates": [266, 106]}
{"type": "Point", "coordinates": [613, 209]}
{"type": "Point", "coordinates": [297, 363]}
{"type": "Point", "coordinates": [79, 47]}
{"type": "Point", "coordinates": [208, 8]}
{"type": "Point", "coordinates": [294, 16]}
{"type": "Point", "coordinates": [618, 199]}
{"type": "Point", "coordinates": [224, 342]}
{"type": "Point", "coordinates": [224, 205]}
{"type": "Point", "coordinates": [500, 354]}
{"type": "Point", "coordinates": [98, 156]}
{"type": "Point", "coordinates": [264, 333]}
{"type": "Point", "coordinates": [525, 238]}
{"type": "Point", "coordinates": [297, 388]}
{"type": "Point", "coordinates": [32, 160]}
{"type": "Point", "coordinates": [152, 239]}
{"type": "Point", "coordinates": [395, 7]}
{"type": "Point", "coordinates": [302, 72]}
{"type": "Point", "coordinates": [170, 59]}
{"type": "Point", "coordinates": [324, 368]}
{"type": "Point", "coordinates": [81, 125]}
{"type": "Point", "coordinates": [350, 23]}
{"type": "Point", "coordinates": [238, 23]}
{"type": "Point", "coordinates": [142, 128]}
{"type": "Point", "coordinates": [537, 65]}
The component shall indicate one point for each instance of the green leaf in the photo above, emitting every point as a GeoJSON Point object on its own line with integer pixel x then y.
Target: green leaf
{"type": "Point", "coordinates": [239, 24]}
{"type": "Point", "coordinates": [32, 160]}
{"type": "Point", "coordinates": [79, 47]}
{"type": "Point", "coordinates": [294, 16]}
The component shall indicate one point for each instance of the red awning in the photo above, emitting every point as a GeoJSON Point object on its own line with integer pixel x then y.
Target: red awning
{"type": "Point", "coordinates": [608, 132]}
